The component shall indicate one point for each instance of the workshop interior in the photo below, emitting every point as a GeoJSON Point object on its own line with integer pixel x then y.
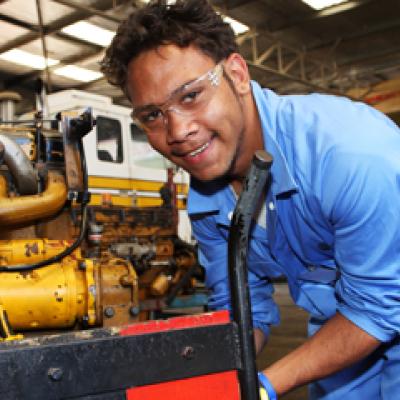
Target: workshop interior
{"type": "Point", "coordinates": [95, 239]}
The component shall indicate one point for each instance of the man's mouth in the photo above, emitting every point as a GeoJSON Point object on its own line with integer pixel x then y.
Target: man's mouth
{"type": "Point", "coordinates": [199, 150]}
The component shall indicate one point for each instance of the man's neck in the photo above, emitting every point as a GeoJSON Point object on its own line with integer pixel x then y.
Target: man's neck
{"type": "Point", "coordinates": [255, 142]}
{"type": "Point", "coordinates": [237, 185]}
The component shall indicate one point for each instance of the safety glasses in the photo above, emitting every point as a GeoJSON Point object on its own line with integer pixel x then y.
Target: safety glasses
{"type": "Point", "coordinates": [189, 100]}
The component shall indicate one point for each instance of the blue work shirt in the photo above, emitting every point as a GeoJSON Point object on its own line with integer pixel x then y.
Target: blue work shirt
{"type": "Point", "coordinates": [333, 214]}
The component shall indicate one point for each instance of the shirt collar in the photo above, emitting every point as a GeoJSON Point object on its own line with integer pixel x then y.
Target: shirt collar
{"type": "Point", "coordinates": [207, 196]}
{"type": "Point", "coordinates": [267, 105]}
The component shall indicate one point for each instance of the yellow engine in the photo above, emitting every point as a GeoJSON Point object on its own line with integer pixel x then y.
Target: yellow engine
{"type": "Point", "coordinates": [66, 263]}
{"type": "Point", "coordinates": [64, 294]}
{"type": "Point", "coordinates": [48, 284]}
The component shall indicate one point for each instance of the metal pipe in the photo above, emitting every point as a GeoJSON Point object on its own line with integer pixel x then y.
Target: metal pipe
{"type": "Point", "coordinates": [7, 106]}
{"type": "Point", "coordinates": [26, 209]}
{"type": "Point", "coordinates": [253, 186]}
{"type": "Point", "coordinates": [20, 167]}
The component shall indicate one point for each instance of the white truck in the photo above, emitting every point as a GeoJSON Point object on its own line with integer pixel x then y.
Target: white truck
{"type": "Point", "coordinates": [122, 166]}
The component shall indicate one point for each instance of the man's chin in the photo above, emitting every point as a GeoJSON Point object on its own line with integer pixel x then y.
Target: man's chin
{"type": "Point", "coordinates": [208, 176]}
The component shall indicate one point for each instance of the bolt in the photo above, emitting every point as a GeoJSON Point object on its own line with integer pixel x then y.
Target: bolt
{"type": "Point", "coordinates": [188, 352]}
{"type": "Point", "coordinates": [82, 265]}
{"type": "Point", "coordinates": [126, 280]}
{"type": "Point", "coordinates": [134, 311]}
{"type": "Point", "coordinates": [85, 321]}
{"type": "Point", "coordinates": [55, 374]}
{"type": "Point", "coordinates": [109, 312]}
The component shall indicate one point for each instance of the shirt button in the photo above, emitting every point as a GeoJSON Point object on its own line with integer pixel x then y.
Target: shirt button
{"type": "Point", "coordinates": [230, 215]}
{"type": "Point", "coordinates": [271, 206]}
{"type": "Point", "coordinates": [324, 246]}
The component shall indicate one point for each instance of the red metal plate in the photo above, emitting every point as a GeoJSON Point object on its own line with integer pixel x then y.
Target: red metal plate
{"type": "Point", "coordinates": [220, 386]}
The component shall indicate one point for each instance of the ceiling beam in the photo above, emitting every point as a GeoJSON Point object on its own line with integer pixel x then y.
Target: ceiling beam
{"type": "Point", "coordinates": [288, 63]}
{"type": "Point", "coordinates": [359, 34]}
{"type": "Point", "coordinates": [318, 15]}
{"type": "Point", "coordinates": [18, 22]}
{"type": "Point", "coordinates": [54, 26]}
{"type": "Point", "coordinates": [35, 28]}
{"type": "Point", "coordinates": [91, 10]}
{"type": "Point", "coordinates": [393, 51]}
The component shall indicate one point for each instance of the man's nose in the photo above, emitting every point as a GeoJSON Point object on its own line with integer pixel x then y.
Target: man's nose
{"type": "Point", "coordinates": [178, 125]}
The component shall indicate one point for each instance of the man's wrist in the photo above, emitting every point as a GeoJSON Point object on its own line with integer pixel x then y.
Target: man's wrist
{"type": "Point", "coordinates": [266, 384]}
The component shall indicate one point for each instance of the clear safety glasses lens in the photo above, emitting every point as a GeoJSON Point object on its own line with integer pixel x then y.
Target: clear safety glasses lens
{"type": "Point", "coordinates": [188, 100]}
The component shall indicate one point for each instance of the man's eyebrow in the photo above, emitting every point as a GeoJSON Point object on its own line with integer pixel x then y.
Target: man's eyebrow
{"type": "Point", "coordinates": [146, 107]}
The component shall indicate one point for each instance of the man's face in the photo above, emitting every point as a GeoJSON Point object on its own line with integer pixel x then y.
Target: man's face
{"type": "Point", "coordinates": [209, 142]}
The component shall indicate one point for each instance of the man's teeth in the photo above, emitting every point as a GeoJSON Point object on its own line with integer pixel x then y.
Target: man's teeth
{"type": "Point", "coordinates": [199, 150]}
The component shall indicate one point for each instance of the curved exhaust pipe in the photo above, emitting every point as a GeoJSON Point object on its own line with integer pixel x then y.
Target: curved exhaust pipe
{"type": "Point", "coordinates": [20, 167]}
{"type": "Point", "coordinates": [24, 210]}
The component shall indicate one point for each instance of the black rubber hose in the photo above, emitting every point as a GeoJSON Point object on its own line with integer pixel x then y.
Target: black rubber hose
{"type": "Point", "coordinates": [249, 198]}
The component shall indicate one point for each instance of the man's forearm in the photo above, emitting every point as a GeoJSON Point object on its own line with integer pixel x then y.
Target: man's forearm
{"type": "Point", "coordinates": [259, 340]}
{"type": "Point", "coordinates": [337, 345]}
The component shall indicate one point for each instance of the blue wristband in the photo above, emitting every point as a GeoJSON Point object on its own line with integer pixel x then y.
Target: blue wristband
{"type": "Point", "coordinates": [266, 384]}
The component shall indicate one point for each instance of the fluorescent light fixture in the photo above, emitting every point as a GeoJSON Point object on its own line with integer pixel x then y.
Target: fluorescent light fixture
{"type": "Point", "coordinates": [22, 57]}
{"type": "Point", "coordinates": [90, 33]}
{"type": "Point", "coordinates": [237, 26]}
{"type": "Point", "coordinates": [320, 4]}
{"type": "Point", "coordinates": [78, 73]}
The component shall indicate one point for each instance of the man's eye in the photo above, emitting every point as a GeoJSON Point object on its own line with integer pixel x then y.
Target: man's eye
{"type": "Point", "coordinates": [150, 116]}
{"type": "Point", "coordinates": [190, 96]}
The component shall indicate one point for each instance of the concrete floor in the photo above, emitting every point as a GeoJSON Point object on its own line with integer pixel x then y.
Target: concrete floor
{"type": "Point", "coordinates": [288, 335]}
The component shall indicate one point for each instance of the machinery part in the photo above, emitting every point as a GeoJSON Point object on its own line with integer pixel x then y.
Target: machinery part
{"type": "Point", "coordinates": [58, 296]}
{"type": "Point", "coordinates": [135, 249]}
{"type": "Point", "coordinates": [20, 167]}
{"type": "Point", "coordinates": [73, 130]}
{"type": "Point", "coordinates": [95, 234]}
{"type": "Point", "coordinates": [6, 332]}
{"type": "Point", "coordinates": [118, 295]}
{"type": "Point", "coordinates": [7, 106]}
{"type": "Point", "coordinates": [253, 186]}
{"type": "Point", "coordinates": [20, 251]}
{"type": "Point", "coordinates": [25, 210]}
{"type": "Point", "coordinates": [181, 283]}
{"type": "Point", "coordinates": [146, 253]}
{"type": "Point", "coordinates": [174, 198]}
{"type": "Point", "coordinates": [53, 297]}
{"type": "Point", "coordinates": [160, 285]}
{"type": "Point", "coordinates": [121, 224]}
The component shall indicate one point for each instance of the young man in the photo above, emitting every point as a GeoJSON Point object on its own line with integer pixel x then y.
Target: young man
{"type": "Point", "coordinates": [331, 221]}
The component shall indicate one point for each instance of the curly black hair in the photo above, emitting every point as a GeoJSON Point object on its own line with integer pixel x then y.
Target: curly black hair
{"type": "Point", "coordinates": [184, 23]}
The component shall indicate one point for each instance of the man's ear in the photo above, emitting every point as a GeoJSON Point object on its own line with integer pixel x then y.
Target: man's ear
{"type": "Point", "coordinates": [236, 68]}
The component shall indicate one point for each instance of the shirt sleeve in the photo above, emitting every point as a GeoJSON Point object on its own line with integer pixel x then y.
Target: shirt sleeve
{"type": "Point", "coordinates": [213, 256]}
{"type": "Point", "coordinates": [361, 199]}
